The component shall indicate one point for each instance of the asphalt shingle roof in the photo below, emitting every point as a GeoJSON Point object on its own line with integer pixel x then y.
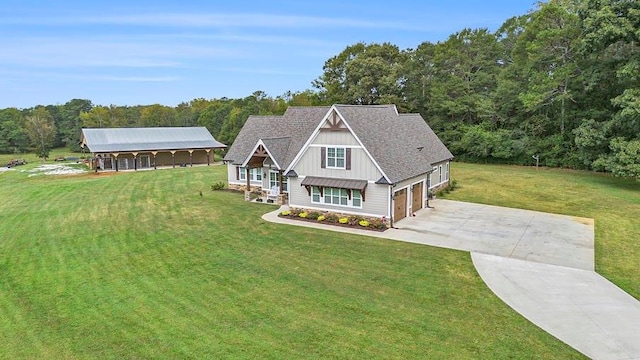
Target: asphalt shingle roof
{"type": "Point", "coordinates": [149, 139]}
{"type": "Point", "coordinates": [403, 145]}
{"type": "Point", "coordinates": [297, 124]}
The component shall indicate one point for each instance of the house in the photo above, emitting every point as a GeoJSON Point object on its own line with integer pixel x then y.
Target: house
{"type": "Point", "coordinates": [365, 160]}
{"type": "Point", "coordinates": [139, 148]}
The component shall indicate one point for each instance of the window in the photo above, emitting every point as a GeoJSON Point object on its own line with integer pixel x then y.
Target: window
{"type": "Point", "coordinates": [439, 174]}
{"type": "Point", "coordinates": [255, 174]}
{"type": "Point", "coordinates": [315, 194]}
{"type": "Point", "coordinates": [273, 181]}
{"type": "Point", "coordinates": [356, 198]}
{"type": "Point", "coordinates": [446, 171]}
{"type": "Point", "coordinates": [335, 196]}
{"type": "Point", "coordinates": [336, 157]}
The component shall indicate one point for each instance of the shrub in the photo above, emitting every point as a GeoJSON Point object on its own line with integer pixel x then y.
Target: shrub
{"type": "Point", "coordinates": [313, 215]}
{"type": "Point", "coordinates": [321, 218]}
{"type": "Point", "coordinates": [303, 215]}
{"type": "Point", "coordinates": [220, 185]}
{"type": "Point", "coordinates": [354, 220]}
{"type": "Point", "coordinates": [343, 220]}
{"type": "Point", "coordinates": [363, 223]}
{"type": "Point", "coordinates": [453, 184]}
{"type": "Point", "coordinates": [286, 213]}
{"type": "Point", "coordinates": [332, 218]}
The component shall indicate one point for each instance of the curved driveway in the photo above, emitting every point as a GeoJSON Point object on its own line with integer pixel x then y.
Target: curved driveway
{"type": "Point", "coordinates": [540, 264]}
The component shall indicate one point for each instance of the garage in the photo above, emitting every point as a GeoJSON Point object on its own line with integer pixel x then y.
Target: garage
{"type": "Point", "coordinates": [416, 197]}
{"type": "Point", "coordinates": [400, 204]}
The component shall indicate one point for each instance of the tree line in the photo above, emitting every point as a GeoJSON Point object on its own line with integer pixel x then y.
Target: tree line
{"type": "Point", "coordinates": [561, 82]}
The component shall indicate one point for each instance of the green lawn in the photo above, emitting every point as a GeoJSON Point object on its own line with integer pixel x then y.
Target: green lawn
{"type": "Point", "coordinates": [614, 203]}
{"type": "Point", "coordinates": [138, 265]}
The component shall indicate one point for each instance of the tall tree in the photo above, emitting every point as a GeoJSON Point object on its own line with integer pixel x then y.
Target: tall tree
{"type": "Point", "coordinates": [13, 137]}
{"type": "Point", "coordinates": [41, 130]}
{"type": "Point", "coordinates": [364, 74]}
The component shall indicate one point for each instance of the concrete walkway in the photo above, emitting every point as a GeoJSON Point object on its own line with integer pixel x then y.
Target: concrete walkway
{"type": "Point", "coordinates": [539, 264]}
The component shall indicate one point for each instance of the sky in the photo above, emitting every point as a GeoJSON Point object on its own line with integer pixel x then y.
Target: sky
{"type": "Point", "coordinates": [167, 52]}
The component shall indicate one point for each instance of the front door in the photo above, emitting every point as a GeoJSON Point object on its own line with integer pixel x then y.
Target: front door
{"type": "Point", "coordinates": [400, 205]}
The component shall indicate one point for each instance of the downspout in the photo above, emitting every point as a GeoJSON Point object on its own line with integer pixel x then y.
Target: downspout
{"type": "Point", "coordinates": [429, 190]}
{"type": "Point", "coordinates": [391, 205]}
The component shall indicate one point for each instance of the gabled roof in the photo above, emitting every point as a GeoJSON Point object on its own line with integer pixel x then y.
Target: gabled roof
{"type": "Point", "coordinates": [402, 145]}
{"type": "Point", "coordinates": [148, 139]}
{"type": "Point", "coordinates": [297, 124]}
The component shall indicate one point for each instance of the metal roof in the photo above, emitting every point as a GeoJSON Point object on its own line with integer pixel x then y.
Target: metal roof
{"type": "Point", "coordinates": [148, 139]}
{"type": "Point", "coordinates": [334, 183]}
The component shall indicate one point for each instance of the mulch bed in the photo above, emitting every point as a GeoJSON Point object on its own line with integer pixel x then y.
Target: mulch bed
{"type": "Point", "coordinates": [298, 218]}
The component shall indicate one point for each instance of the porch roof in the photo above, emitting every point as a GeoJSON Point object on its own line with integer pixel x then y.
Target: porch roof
{"type": "Point", "coordinates": [334, 183]}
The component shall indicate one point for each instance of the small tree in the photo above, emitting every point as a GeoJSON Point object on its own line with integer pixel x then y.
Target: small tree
{"type": "Point", "coordinates": [41, 131]}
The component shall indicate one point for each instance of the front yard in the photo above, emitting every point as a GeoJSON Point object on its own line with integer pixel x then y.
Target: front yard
{"type": "Point", "coordinates": [139, 265]}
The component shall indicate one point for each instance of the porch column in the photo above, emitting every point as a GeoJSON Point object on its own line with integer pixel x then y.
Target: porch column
{"type": "Point", "coordinates": [173, 158]}
{"type": "Point", "coordinates": [155, 167]}
{"type": "Point", "coordinates": [191, 158]}
{"type": "Point", "coordinates": [135, 161]}
{"type": "Point", "coordinates": [208, 158]}
{"type": "Point", "coordinates": [248, 179]}
{"type": "Point", "coordinates": [115, 155]}
{"type": "Point", "coordinates": [280, 181]}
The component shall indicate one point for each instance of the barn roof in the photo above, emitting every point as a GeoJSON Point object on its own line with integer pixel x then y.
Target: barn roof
{"type": "Point", "coordinates": [148, 139]}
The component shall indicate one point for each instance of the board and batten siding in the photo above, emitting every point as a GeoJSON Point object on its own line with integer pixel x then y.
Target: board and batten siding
{"type": "Point", "coordinates": [362, 168]}
{"type": "Point", "coordinates": [375, 204]}
{"type": "Point", "coordinates": [335, 138]}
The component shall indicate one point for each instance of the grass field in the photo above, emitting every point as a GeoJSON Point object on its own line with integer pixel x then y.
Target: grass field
{"type": "Point", "coordinates": [614, 203]}
{"type": "Point", "coordinates": [138, 265]}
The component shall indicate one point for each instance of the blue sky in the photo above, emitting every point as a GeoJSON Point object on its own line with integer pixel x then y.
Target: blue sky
{"type": "Point", "coordinates": [166, 52]}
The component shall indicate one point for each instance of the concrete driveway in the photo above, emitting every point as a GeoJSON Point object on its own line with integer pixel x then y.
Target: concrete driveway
{"type": "Point", "coordinates": [540, 264]}
{"type": "Point", "coordinates": [513, 233]}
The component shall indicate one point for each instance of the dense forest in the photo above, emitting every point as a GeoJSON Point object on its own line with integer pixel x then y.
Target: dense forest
{"type": "Point", "coordinates": [561, 82]}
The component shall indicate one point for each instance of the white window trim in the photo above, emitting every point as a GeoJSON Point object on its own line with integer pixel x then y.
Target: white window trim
{"type": "Point", "coordinates": [344, 157]}
{"type": "Point", "coordinates": [446, 172]}
{"type": "Point", "coordinates": [253, 174]}
{"type": "Point", "coordinates": [285, 180]}
{"type": "Point", "coordinates": [349, 201]}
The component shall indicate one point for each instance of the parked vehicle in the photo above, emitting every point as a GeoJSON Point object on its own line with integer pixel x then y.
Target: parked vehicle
{"type": "Point", "coordinates": [16, 162]}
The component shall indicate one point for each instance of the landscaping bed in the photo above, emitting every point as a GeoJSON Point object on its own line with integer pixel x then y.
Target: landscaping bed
{"type": "Point", "coordinates": [336, 219]}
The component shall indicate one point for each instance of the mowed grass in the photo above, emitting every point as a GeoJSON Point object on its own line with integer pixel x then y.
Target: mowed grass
{"type": "Point", "coordinates": [139, 265]}
{"type": "Point", "coordinates": [614, 204]}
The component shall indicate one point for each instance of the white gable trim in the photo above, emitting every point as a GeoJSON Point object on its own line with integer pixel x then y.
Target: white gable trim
{"type": "Point", "coordinates": [306, 145]}
{"type": "Point", "coordinates": [246, 161]}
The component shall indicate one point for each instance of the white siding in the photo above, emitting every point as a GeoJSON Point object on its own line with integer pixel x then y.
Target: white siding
{"type": "Point", "coordinates": [408, 184]}
{"type": "Point", "coordinates": [437, 178]}
{"type": "Point", "coordinates": [231, 177]}
{"type": "Point", "coordinates": [335, 138]}
{"type": "Point", "coordinates": [375, 203]}
{"type": "Point", "coordinates": [362, 167]}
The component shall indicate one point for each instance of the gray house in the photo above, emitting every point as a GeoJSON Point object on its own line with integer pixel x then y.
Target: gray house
{"type": "Point", "coordinates": [139, 148]}
{"type": "Point", "coordinates": [351, 159]}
